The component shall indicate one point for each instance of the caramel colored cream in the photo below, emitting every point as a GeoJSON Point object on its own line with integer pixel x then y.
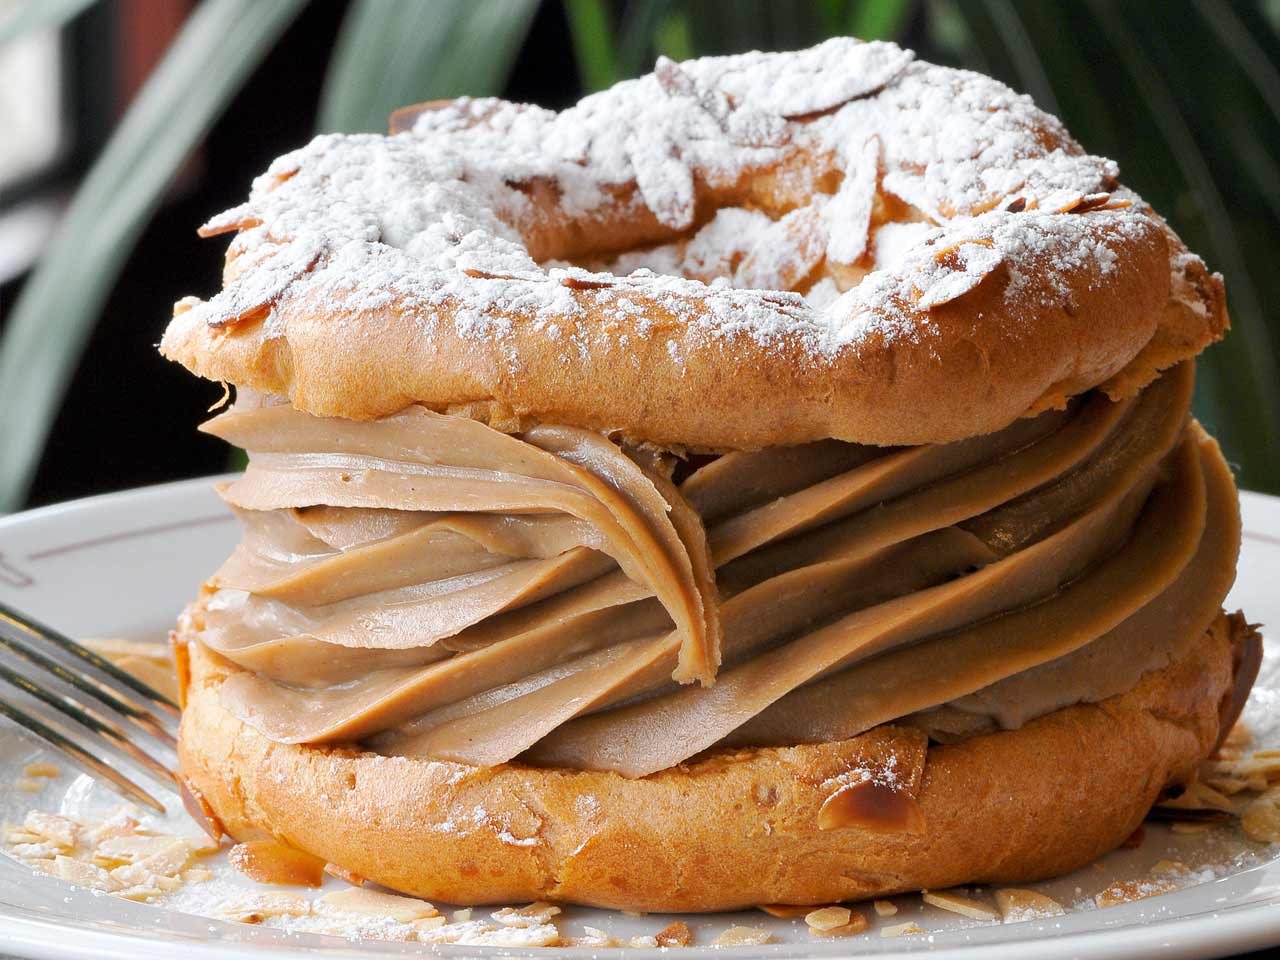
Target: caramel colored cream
{"type": "Point", "coordinates": [433, 587]}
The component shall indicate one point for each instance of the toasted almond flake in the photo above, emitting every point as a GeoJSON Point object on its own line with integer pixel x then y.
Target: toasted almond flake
{"type": "Point", "coordinates": [675, 934]}
{"type": "Point", "coordinates": [908, 929]}
{"type": "Point", "coordinates": [1261, 818]}
{"type": "Point", "coordinates": [1017, 904]}
{"type": "Point", "coordinates": [429, 923]}
{"type": "Point", "coordinates": [131, 848]}
{"type": "Point", "coordinates": [827, 918]}
{"type": "Point", "coordinates": [885, 908]}
{"type": "Point", "coordinates": [168, 862]}
{"type": "Point", "coordinates": [1127, 891]}
{"type": "Point", "coordinates": [857, 924]}
{"type": "Point", "coordinates": [41, 769]}
{"type": "Point", "coordinates": [1169, 868]}
{"type": "Point", "coordinates": [461, 916]}
{"type": "Point", "coordinates": [965, 906]}
{"type": "Point", "coordinates": [27, 785]}
{"type": "Point", "coordinates": [743, 937]}
{"type": "Point", "coordinates": [16, 835]}
{"type": "Point", "coordinates": [374, 903]}
{"type": "Point", "coordinates": [1199, 796]}
{"type": "Point", "coordinates": [544, 935]}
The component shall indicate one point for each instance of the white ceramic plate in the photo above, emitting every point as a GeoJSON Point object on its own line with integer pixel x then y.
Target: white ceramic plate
{"type": "Point", "coordinates": [123, 566]}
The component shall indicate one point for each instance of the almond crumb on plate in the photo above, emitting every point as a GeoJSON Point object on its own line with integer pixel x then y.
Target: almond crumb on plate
{"type": "Point", "coordinates": [884, 908]}
{"type": "Point", "coordinates": [1017, 904]}
{"type": "Point", "coordinates": [965, 906]}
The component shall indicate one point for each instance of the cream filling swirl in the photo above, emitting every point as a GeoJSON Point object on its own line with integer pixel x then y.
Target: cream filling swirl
{"type": "Point", "coordinates": [433, 587]}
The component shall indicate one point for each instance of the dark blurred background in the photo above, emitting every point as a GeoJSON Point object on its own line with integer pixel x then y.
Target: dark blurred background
{"type": "Point", "coordinates": [1184, 94]}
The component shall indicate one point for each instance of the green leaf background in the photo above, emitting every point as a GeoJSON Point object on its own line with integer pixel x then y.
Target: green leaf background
{"type": "Point", "coordinates": [1184, 93]}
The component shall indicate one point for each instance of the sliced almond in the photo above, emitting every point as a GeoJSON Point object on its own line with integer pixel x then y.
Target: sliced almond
{"type": "Point", "coordinates": [41, 769]}
{"type": "Point", "coordinates": [857, 924]}
{"type": "Point", "coordinates": [28, 785]}
{"type": "Point", "coordinates": [131, 848]}
{"type": "Point", "coordinates": [374, 903]}
{"type": "Point", "coordinates": [60, 830]}
{"type": "Point", "coordinates": [167, 862]}
{"type": "Point", "coordinates": [531, 916]}
{"type": "Point", "coordinates": [1017, 904]}
{"type": "Point", "coordinates": [84, 874]}
{"type": "Point", "coordinates": [739, 936]}
{"type": "Point", "coordinates": [1261, 818]}
{"type": "Point", "coordinates": [828, 918]}
{"type": "Point", "coordinates": [257, 907]}
{"type": "Point", "coordinates": [461, 916]}
{"type": "Point", "coordinates": [139, 894]}
{"type": "Point", "coordinates": [965, 906]}
{"type": "Point", "coordinates": [1127, 891]}
{"type": "Point", "coordinates": [884, 908]}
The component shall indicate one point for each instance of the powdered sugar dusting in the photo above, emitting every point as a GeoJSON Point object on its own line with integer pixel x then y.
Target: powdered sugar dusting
{"type": "Point", "coordinates": [462, 219]}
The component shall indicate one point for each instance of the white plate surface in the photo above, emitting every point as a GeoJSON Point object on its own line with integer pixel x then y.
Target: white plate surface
{"type": "Point", "coordinates": [123, 565]}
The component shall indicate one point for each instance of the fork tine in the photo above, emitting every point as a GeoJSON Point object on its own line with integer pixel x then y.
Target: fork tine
{"type": "Point", "coordinates": [81, 756]}
{"type": "Point", "coordinates": [36, 628]}
{"type": "Point", "coordinates": [87, 685]}
{"type": "Point", "coordinates": [88, 718]}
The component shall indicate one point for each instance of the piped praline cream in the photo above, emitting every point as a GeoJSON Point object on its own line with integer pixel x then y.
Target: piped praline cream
{"type": "Point", "coordinates": [430, 586]}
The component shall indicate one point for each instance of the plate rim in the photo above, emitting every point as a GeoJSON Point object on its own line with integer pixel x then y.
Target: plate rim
{"type": "Point", "coordinates": [1228, 930]}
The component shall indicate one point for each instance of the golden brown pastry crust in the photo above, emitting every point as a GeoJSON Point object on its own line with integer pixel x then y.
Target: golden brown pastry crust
{"type": "Point", "coordinates": [728, 831]}
{"type": "Point", "coordinates": [1038, 328]}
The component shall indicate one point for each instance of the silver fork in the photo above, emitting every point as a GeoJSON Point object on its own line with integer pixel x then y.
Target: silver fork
{"type": "Point", "coordinates": [94, 704]}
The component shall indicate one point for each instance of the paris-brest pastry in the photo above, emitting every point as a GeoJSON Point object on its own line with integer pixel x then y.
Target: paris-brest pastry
{"type": "Point", "coordinates": [770, 480]}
